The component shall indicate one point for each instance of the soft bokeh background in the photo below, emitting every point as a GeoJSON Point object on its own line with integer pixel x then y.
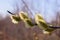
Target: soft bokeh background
{"type": "Point", "coordinates": [49, 9]}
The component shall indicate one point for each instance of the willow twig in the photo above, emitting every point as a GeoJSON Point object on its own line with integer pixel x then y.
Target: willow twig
{"type": "Point", "coordinates": [10, 12]}
{"type": "Point", "coordinates": [54, 27]}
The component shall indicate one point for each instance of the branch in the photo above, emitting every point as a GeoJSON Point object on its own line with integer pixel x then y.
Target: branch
{"type": "Point", "coordinates": [54, 27]}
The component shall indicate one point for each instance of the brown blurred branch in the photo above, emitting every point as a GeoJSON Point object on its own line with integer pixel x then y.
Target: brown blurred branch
{"type": "Point", "coordinates": [26, 6]}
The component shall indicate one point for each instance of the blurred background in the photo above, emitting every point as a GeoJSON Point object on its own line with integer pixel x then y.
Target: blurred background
{"type": "Point", "coordinates": [49, 9]}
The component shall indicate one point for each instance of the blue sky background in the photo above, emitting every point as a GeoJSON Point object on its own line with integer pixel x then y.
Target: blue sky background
{"type": "Point", "coordinates": [47, 8]}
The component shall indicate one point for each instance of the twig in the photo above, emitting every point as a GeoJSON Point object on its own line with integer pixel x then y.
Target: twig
{"type": "Point", "coordinates": [54, 27]}
{"type": "Point", "coordinates": [10, 12]}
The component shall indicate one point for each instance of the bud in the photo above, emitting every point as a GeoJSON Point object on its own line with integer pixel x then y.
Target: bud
{"type": "Point", "coordinates": [42, 24]}
{"type": "Point", "coordinates": [26, 19]}
{"type": "Point", "coordinates": [40, 21]}
{"type": "Point", "coordinates": [15, 19]}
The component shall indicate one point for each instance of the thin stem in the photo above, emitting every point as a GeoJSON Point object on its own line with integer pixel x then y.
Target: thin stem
{"type": "Point", "coordinates": [10, 12]}
{"type": "Point", "coordinates": [54, 27]}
